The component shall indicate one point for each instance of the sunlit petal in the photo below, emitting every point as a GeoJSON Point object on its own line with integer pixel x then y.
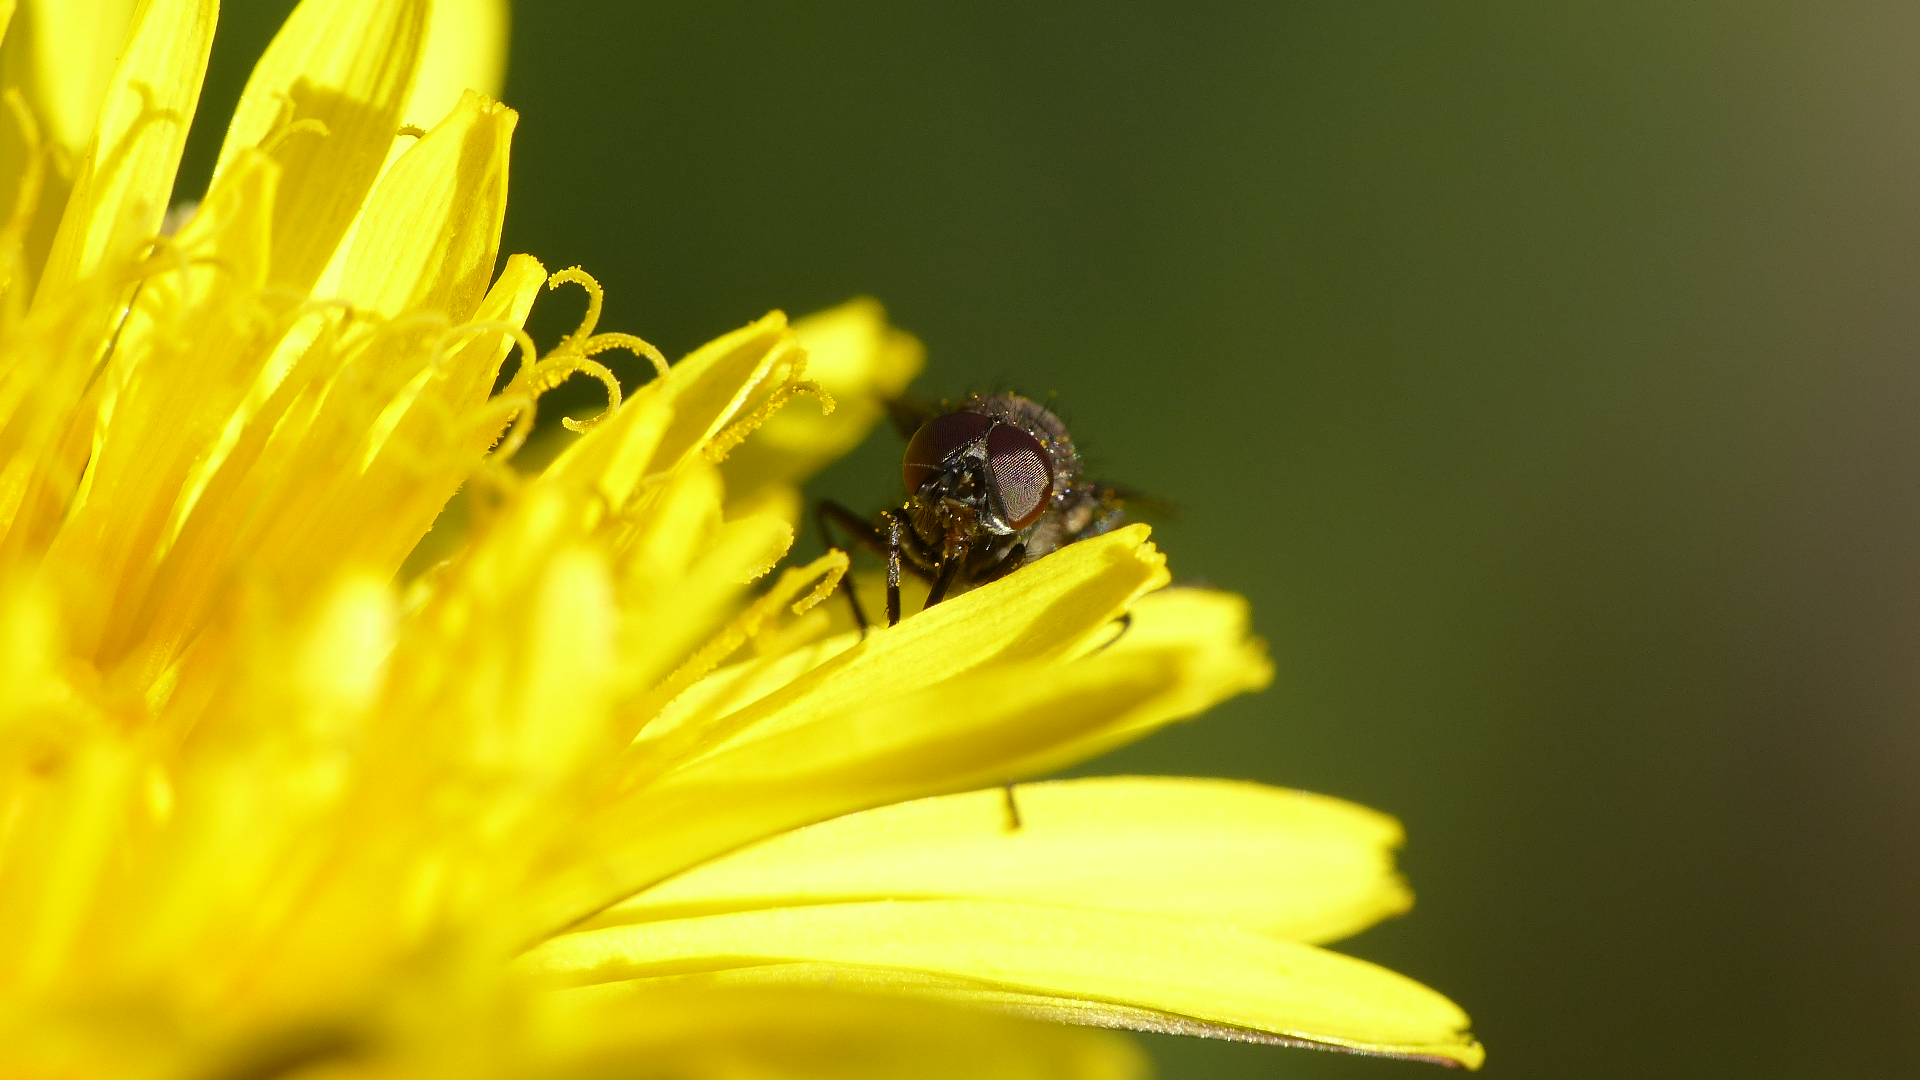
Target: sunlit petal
{"type": "Point", "coordinates": [805, 1034]}
{"type": "Point", "coordinates": [62, 54]}
{"type": "Point", "coordinates": [430, 233]}
{"type": "Point", "coordinates": [122, 187]}
{"type": "Point", "coordinates": [466, 50]}
{"type": "Point", "coordinates": [59, 56]}
{"type": "Point", "coordinates": [1208, 971]}
{"type": "Point", "coordinates": [1297, 866]}
{"type": "Point", "coordinates": [327, 100]}
{"type": "Point", "coordinates": [997, 723]}
{"type": "Point", "coordinates": [858, 359]}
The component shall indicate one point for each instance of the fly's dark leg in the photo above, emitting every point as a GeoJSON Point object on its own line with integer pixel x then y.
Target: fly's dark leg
{"type": "Point", "coordinates": [894, 528]}
{"type": "Point", "coordinates": [942, 581]}
{"type": "Point", "coordinates": [892, 538]}
{"type": "Point", "coordinates": [828, 513]}
{"type": "Point", "coordinates": [1013, 808]}
{"type": "Point", "coordinates": [1015, 558]}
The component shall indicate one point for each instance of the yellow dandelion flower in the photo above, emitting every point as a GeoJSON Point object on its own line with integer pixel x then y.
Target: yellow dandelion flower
{"type": "Point", "coordinates": [591, 793]}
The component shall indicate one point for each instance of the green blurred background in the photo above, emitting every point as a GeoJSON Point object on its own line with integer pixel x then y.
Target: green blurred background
{"type": "Point", "coordinates": [1546, 374]}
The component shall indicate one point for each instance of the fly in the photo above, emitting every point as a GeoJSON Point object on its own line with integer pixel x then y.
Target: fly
{"type": "Point", "coordinates": [992, 484]}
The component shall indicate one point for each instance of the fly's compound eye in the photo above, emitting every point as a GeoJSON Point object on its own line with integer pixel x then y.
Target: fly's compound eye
{"type": "Point", "coordinates": [1020, 477]}
{"type": "Point", "coordinates": [939, 440]}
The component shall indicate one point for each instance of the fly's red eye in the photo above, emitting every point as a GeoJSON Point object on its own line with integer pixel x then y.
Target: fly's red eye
{"type": "Point", "coordinates": [936, 441]}
{"type": "Point", "coordinates": [1022, 479]}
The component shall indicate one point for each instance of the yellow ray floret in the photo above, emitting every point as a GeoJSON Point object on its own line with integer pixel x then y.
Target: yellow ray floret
{"type": "Point", "coordinates": [1292, 865]}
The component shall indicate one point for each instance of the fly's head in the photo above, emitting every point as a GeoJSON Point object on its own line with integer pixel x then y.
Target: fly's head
{"type": "Point", "coordinates": [972, 476]}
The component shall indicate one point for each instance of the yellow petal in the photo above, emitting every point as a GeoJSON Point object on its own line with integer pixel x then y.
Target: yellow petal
{"type": "Point", "coordinates": [466, 50]}
{"type": "Point", "coordinates": [1206, 971]}
{"type": "Point", "coordinates": [497, 706]}
{"type": "Point", "coordinates": [60, 55]}
{"type": "Point", "coordinates": [566, 655]}
{"type": "Point", "coordinates": [939, 740]}
{"type": "Point", "coordinates": [680, 522]}
{"type": "Point", "coordinates": [612, 460]}
{"type": "Point", "coordinates": [672, 420]}
{"type": "Point", "coordinates": [66, 832]}
{"type": "Point", "coordinates": [69, 780]}
{"type": "Point", "coordinates": [736, 686]}
{"type": "Point", "coordinates": [326, 99]}
{"type": "Point", "coordinates": [121, 190]}
{"type": "Point", "coordinates": [1205, 628]}
{"type": "Point", "coordinates": [715, 383]}
{"type": "Point", "coordinates": [1004, 720]}
{"type": "Point", "coordinates": [32, 647]}
{"type": "Point", "coordinates": [1298, 866]}
{"type": "Point", "coordinates": [163, 422]}
{"type": "Point", "coordinates": [297, 481]}
{"type": "Point", "coordinates": [432, 229]}
{"type": "Point", "coordinates": [672, 619]}
{"type": "Point", "coordinates": [433, 438]}
{"type": "Point", "coordinates": [784, 1034]}
{"type": "Point", "coordinates": [1179, 618]}
{"type": "Point", "coordinates": [862, 363]}
{"type": "Point", "coordinates": [1045, 610]}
